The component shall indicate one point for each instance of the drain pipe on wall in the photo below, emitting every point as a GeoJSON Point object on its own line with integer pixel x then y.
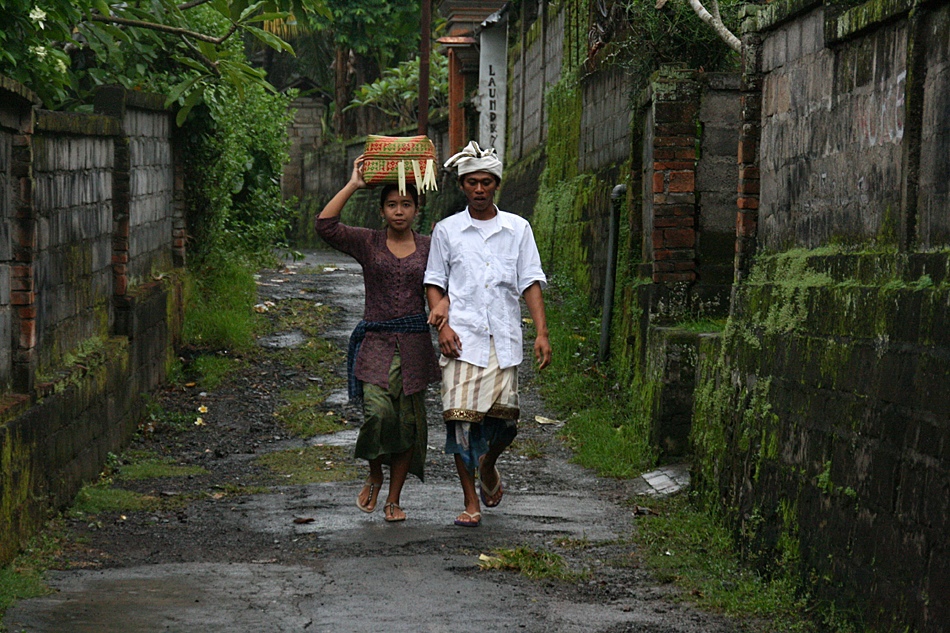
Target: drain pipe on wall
{"type": "Point", "coordinates": [617, 196]}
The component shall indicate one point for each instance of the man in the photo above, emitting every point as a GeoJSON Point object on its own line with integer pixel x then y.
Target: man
{"type": "Point", "coordinates": [484, 259]}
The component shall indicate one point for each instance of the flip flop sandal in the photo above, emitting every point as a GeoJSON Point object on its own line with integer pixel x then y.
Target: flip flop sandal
{"type": "Point", "coordinates": [488, 495]}
{"type": "Point", "coordinates": [474, 519]}
{"type": "Point", "coordinates": [390, 510]}
{"type": "Point", "coordinates": [370, 498]}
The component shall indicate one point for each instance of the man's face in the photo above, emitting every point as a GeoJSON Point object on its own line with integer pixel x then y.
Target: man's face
{"type": "Point", "coordinates": [479, 187]}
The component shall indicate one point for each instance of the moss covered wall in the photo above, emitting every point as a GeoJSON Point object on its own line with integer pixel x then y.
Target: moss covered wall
{"type": "Point", "coordinates": [822, 427]}
{"type": "Point", "coordinates": [83, 411]}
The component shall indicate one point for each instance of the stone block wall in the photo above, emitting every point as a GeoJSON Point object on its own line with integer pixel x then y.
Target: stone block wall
{"type": "Point", "coordinates": [853, 111]}
{"type": "Point", "coordinates": [605, 120]}
{"type": "Point", "coordinates": [71, 253]}
{"type": "Point", "coordinates": [672, 356]}
{"type": "Point", "coordinates": [151, 190]}
{"type": "Point", "coordinates": [305, 133]}
{"type": "Point", "coordinates": [716, 173]}
{"type": "Point", "coordinates": [535, 67]}
{"type": "Point", "coordinates": [822, 428]}
{"type": "Point", "coordinates": [86, 200]}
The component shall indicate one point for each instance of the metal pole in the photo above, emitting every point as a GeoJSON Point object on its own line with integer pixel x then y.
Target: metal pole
{"type": "Point", "coordinates": [616, 201]}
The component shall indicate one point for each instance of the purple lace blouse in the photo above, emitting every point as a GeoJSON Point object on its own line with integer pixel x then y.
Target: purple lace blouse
{"type": "Point", "coordinates": [393, 289]}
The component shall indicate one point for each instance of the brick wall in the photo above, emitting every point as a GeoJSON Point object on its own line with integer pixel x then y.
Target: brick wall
{"type": "Point", "coordinates": [674, 157]}
{"type": "Point", "coordinates": [16, 121]}
{"type": "Point", "coordinates": [689, 150]}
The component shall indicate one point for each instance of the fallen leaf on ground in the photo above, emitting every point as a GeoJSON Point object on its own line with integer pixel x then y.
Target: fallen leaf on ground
{"type": "Point", "coordinates": [540, 419]}
{"type": "Point", "coordinates": [641, 510]}
{"type": "Point", "coordinates": [300, 520]}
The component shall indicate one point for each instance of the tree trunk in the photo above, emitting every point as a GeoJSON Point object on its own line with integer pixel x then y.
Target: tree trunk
{"type": "Point", "coordinates": [341, 91]}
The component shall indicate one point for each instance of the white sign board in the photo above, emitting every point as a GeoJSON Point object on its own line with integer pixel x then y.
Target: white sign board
{"type": "Point", "coordinates": [493, 86]}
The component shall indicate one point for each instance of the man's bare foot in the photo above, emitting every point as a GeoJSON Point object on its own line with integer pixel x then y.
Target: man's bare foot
{"type": "Point", "coordinates": [490, 487]}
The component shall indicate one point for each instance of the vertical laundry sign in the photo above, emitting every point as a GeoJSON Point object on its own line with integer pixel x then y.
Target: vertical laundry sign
{"type": "Point", "coordinates": [492, 87]}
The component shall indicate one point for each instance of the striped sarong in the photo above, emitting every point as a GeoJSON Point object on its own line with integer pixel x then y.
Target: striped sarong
{"type": "Point", "coordinates": [469, 392]}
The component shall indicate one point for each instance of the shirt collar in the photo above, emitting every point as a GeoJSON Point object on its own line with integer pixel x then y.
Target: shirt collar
{"type": "Point", "coordinates": [503, 220]}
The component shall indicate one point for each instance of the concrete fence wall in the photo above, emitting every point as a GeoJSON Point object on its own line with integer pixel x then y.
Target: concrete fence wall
{"type": "Point", "coordinates": [90, 214]}
{"type": "Point", "coordinates": [854, 116]}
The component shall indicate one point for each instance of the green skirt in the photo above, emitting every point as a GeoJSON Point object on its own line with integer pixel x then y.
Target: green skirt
{"type": "Point", "coordinates": [393, 422]}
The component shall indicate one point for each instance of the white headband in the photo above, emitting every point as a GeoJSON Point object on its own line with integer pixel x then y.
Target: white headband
{"type": "Point", "coordinates": [474, 158]}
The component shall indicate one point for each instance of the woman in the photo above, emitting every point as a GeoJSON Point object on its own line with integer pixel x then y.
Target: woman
{"type": "Point", "coordinates": [391, 360]}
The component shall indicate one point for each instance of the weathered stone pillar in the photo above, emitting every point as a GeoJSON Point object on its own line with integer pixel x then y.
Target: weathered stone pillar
{"type": "Point", "coordinates": [110, 101]}
{"type": "Point", "coordinates": [126, 107]}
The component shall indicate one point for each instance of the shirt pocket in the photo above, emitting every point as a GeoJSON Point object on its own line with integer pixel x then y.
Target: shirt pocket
{"type": "Point", "coordinates": [507, 273]}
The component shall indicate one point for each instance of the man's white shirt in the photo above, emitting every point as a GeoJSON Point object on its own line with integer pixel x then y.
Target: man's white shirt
{"type": "Point", "coordinates": [485, 273]}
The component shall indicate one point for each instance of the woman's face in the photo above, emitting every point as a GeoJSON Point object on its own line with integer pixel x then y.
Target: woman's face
{"type": "Point", "coordinates": [399, 211]}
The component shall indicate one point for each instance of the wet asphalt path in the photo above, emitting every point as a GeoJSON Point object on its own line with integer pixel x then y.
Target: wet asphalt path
{"type": "Point", "coordinates": [365, 575]}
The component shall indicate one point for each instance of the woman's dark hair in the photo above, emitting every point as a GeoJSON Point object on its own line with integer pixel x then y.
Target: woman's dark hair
{"type": "Point", "coordinates": [410, 189]}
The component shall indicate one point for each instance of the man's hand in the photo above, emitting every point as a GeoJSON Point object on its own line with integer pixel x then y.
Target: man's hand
{"type": "Point", "coordinates": [439, 315]}
{"type": "Point", "coordinates": [542, 351]}
{"type": "Point", "coordinates": [449, 342]}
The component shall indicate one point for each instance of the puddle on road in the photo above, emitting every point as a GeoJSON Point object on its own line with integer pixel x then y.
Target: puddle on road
{"type": "Point", "coordinates": [283, 340]}
{"type": "Point", "coordinates": [337, 398]}
{"type": "Point", "coordinates": [341, 438]}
